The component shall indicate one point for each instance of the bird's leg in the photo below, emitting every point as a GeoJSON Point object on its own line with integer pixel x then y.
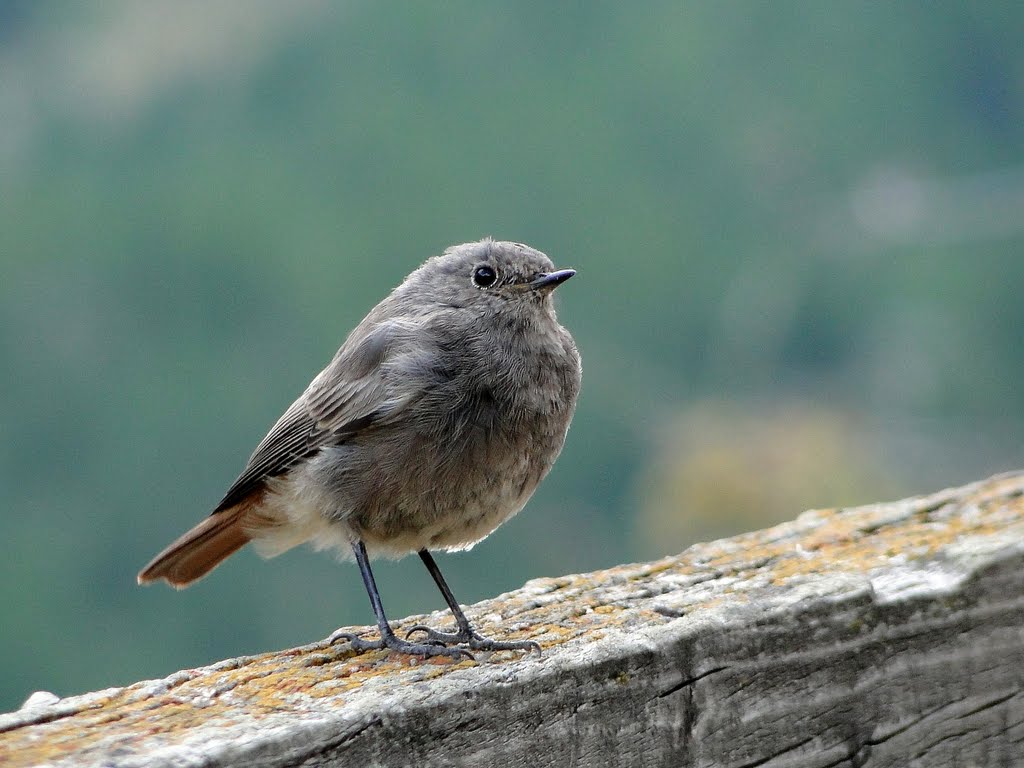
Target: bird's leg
{"type": "Point", "coordinates": [387, 636]}
{"type": "Point", "coordinates": [465, 633]}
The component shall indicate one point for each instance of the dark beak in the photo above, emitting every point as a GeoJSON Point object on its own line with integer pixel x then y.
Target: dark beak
{"type": "Point", "coordinates": [551, 279]}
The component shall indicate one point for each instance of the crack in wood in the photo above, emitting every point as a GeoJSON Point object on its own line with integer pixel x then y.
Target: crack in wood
{"type": "Point", "coordinates": [688, 682]}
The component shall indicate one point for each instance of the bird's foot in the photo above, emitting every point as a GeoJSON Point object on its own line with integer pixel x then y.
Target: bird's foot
{"type": "Point", "coordinates": [393, 643]}
{"type": "Point", "coordinates": [472, 638]}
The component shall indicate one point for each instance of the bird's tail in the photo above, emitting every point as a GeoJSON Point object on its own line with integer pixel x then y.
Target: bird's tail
{"type": "Point", "coordinates": [199, 551]}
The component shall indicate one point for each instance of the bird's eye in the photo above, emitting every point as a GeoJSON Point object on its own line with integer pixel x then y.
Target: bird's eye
{"type": "Point", "coordinates": [484, 276]}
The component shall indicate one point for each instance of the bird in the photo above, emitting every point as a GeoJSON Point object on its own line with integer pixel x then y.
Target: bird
{"type": "Point", "coordinates": [432, 425]}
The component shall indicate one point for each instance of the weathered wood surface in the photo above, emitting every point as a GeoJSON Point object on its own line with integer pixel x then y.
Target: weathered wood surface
{"type": "Point", "coordinates": [886, 635]}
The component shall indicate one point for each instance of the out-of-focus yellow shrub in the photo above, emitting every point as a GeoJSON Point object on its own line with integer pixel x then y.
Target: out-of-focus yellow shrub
{"type": "Point", "coordinates": [723, 468]}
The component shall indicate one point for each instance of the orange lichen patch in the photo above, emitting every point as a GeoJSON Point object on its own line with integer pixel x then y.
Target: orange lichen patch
{"type": "Point", "coordinates": [264, 685]}
{"type": "Point", "coordinates": [862, 541]}
{"type": "Point", "coordinates": [658, 566]}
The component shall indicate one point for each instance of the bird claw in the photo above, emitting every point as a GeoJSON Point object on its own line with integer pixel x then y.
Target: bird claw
{"type": "Point", "coordinates": [392, 643]}
{"type": "Point", "coordinates": [473, 639]}
{"type": "Point", "coordinates": [357, 643]}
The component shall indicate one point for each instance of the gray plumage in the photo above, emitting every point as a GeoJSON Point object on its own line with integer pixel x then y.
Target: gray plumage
{"type": "Point", "coordinates": [432, 425]}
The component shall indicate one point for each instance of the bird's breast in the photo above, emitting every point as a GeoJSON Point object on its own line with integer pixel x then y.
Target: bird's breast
{"type": "Point", "coordinates": [464, 455]}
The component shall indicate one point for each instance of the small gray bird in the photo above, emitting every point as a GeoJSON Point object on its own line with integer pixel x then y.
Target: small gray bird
{"type": "Point", "coordinates": [433, 424]}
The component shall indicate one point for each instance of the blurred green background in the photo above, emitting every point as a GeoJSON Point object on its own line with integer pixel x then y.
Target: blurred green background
{"type": "Point", "coordinates": [798, 228]}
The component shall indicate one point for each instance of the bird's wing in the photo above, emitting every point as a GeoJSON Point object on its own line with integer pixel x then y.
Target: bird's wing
{"type": "Point", "coordinates": [347, 397]}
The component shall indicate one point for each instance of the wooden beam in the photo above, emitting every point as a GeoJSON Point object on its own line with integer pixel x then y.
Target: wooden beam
{"type": "Point", "coordinates": [890, 634]}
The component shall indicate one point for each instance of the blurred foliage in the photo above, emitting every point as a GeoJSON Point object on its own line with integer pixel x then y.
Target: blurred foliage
{"type": "Point", "coordinates": [813, 210]}
{"type": "Point", "coordinates": [727, 466]}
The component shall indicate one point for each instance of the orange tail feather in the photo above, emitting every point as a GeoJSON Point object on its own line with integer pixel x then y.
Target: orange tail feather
{"type": "Point", "coordinates": [201, 549]}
